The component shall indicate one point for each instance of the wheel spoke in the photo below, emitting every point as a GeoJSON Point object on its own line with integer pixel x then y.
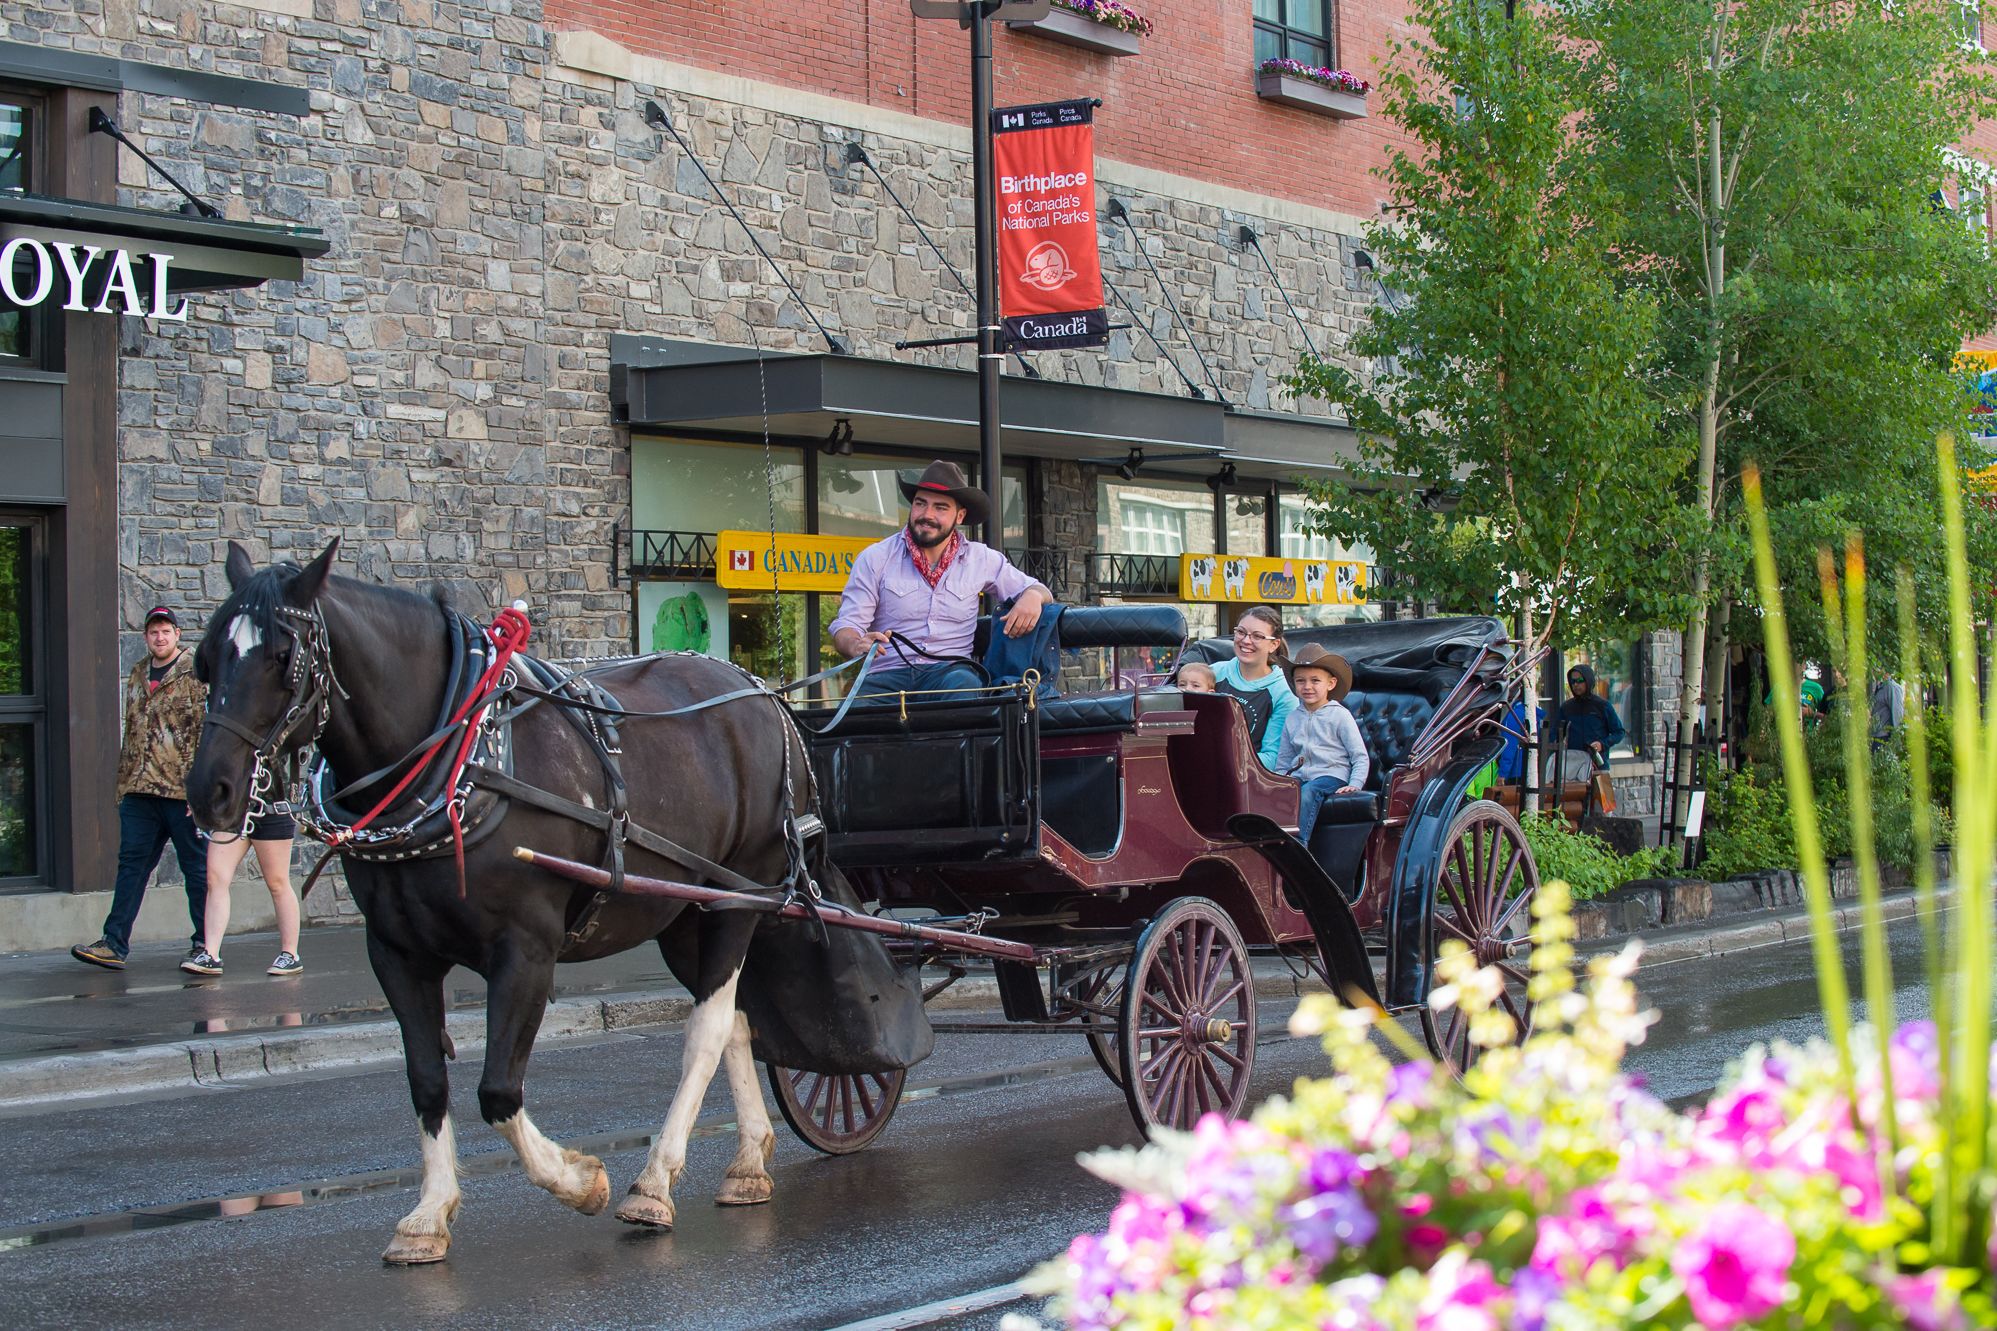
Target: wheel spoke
{"type": "Point", "coordinates": [1157, 1032]}
{"type": "Point", "coordinates": [1221, 1088]}
{"type": "Point", "coordinates": [1514, 972]}
{"type": "Point", "coordinates": [1160, 1062]}
{"type": "Point", "coordinates": [1500, 843]}
{"type": "Point", "coordinates": [1449, 922]}
{"type": "Point", "coordinates": [1231, 1058]}
{"type": "Point", "coordinates": [1231, 992]}
{"type": "Point", "coordinates": [809, 1102]}
{"type": "Point", "coordinates": [1156, 1004]}
{"type": "Point", "coordinates": [866, 1101]}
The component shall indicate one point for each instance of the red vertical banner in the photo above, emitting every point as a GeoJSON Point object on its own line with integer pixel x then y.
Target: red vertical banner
{"type": "Point", "coordinates": [1050, 269]}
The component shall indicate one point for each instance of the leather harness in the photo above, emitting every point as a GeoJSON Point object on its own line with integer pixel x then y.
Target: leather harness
{"type": "Point", "coordinates": [457, 804]}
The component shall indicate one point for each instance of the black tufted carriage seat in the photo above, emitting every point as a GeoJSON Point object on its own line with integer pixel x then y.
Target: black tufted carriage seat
{"type": "Point", "coordinates": [1101, 713]}
{"type": "Point", "coordinates": [1402, 670]}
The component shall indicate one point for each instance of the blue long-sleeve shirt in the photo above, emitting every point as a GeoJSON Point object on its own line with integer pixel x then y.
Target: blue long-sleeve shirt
{"type": "Point", "coordinates": [1272, 688]}
{"type": "Point", "coordinates": [1590, 720]}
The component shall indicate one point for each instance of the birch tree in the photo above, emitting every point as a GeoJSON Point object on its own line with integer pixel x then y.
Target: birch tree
{"type": "Point", "coordinates": [1783, 172]}
{"type": "Point", "coordinates": [1511, 456]}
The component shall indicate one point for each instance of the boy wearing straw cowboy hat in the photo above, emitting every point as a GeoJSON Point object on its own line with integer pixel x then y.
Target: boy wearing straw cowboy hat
{"type": "Point", "coordinates": [1321, 746]}
{"type": "Point", "coordinates": [922, 584]}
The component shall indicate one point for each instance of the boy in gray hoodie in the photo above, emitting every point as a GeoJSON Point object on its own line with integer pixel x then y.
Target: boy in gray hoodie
{"type": "Point", "coordinates": [1321, 744]}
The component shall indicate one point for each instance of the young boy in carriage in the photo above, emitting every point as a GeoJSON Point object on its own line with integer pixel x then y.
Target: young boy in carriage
{"type": "Point", "coordinates": [1321, 744]}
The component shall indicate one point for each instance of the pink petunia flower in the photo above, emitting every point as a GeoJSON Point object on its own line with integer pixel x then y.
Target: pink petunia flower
{"type": "Point", "coordinates": [1927, 1303]}
{"type": "Point", "coordinates": [1735, 1266]}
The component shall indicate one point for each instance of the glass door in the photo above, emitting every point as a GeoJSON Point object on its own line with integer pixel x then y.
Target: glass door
{"type": "Point", "coordinates": [23, 700]}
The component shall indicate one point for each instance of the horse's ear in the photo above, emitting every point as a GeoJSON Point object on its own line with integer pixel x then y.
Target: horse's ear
{"type": "Point", "coordinates": [312, 580]}
{"type": "Point", "coordinates": [239, 567]}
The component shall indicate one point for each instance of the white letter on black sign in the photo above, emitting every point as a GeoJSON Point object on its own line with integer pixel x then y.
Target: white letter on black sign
{"type": "Point", "coordinates": [121, 281]}
{"type": "Point", "coordinates": [67, 253]}
{"type": "Point", "coordinates": [44, 272]}
{"type": "Point", "coordinates": [160, 310]}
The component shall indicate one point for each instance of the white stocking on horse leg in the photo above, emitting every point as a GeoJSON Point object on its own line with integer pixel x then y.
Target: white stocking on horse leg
{"type": "Point", "coordinates": [748, 1179]}
{"type": "Point", "coordinates": [424, 1235]}
{"type": "Point", "coordinates": [650, 1201]}
{"type": "Point", "coordinates": [576, 1180]}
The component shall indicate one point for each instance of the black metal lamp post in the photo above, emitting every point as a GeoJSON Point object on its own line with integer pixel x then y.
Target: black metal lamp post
{"type": "Point", "coordinates": [978, 16]}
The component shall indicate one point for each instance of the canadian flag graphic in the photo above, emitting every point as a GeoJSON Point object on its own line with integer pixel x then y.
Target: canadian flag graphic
{"type": "Point", "coordinates": [742, 561]}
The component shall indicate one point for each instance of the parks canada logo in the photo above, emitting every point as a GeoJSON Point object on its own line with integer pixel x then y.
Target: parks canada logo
{"type": "Point", "coordinates": [1047, 267]}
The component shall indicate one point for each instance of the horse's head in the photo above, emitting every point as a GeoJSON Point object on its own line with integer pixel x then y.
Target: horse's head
{"type": "Point", "coordinates": [266, 690]}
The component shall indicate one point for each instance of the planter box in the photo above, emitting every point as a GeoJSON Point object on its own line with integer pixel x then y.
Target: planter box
{"type": "Point", "coordinates": [1274, 86]}
{"type": "Point", "coordinates": [1065, 25]}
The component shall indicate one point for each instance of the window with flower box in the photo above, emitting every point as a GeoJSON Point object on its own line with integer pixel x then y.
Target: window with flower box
{"type": "Point", "coordinates": [1294, 30]}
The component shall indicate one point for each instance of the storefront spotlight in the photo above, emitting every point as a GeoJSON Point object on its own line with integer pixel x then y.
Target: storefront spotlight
{"type": "Point", "coordinates": [1128, 468]}
{"type": "Point", "coordinates": [1224, 479]}
{"type": "Point", "coordinates": [1361, 259]}
{"type": "Point", "coordinates": [839, 443]}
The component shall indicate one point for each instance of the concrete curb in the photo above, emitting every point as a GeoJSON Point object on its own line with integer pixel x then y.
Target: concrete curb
{"type": "Point", "coordinates": [241, 1060]}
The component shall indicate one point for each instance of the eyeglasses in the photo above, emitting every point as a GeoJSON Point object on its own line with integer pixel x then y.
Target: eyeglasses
{"type": "Point", "coordinates": [1246, 635]}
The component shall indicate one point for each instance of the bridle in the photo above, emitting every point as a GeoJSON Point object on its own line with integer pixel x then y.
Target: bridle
{"type": "Point", "coordinates": [312, 684]}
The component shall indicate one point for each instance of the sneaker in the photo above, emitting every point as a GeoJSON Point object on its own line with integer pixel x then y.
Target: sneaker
{"type": "Point", "coordinates": [201, 962]}
{"type": "Point", "coordinates": [98, 953]}
{"type": "Point", "coordinates": [287, 963]}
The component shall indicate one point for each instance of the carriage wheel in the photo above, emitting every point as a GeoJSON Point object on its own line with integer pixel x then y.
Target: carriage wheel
{"type": "Point", "coordinates": [836, 1113]}
{"type": "Point", "coordinates": [1188, 1030]}
{"type": "Point", "coordinates": [1483, 897]}
{"type": "Point", "coordinates": [1103, 988]}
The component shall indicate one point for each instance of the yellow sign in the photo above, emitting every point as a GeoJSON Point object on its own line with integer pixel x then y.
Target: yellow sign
{"type": "Point", "coordinates": [803, 563]}
{"type": "Point", "coordinates": [1969, 362]}
{"type": "Point", "coordinates": [1271, 581]}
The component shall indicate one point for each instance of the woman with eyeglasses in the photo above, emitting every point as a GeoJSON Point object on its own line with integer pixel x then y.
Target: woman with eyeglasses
{"type": "Point", "coordinates": [1253, 678]}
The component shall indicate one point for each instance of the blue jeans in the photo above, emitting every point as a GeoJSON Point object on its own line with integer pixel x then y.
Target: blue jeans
{"type": "Point", "coordinates": [145, 824]}
{"type": "Point", "coordinates": [923, 679]}
{"type": "Point", "coordinates": [1310, 799]}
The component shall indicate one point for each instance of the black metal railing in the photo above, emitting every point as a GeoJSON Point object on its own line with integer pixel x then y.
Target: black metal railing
{"type": "Point", "coordinates": [672, 554]}
{"type": "Point", "coordinates": [1133, 575]}
{"type": "Point", "coordinates": [1047, 566]}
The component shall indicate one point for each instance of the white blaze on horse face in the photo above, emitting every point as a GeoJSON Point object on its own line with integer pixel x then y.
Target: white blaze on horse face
{"type": "Point", "coordinates": [244, 636]}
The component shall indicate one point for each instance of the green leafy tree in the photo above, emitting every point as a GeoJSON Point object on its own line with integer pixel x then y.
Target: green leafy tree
{"type": "Point", "coordinates": [1508, 430]}
{"type": "Point", "coordinates": [1784, 173]}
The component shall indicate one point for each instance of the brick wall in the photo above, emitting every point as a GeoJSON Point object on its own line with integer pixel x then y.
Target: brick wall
{"type": "Point", "coordinates": [1187, 97]}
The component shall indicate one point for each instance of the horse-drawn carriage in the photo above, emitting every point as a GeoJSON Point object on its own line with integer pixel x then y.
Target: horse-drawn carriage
{"type": "Point", "coordinates": [1121, 857]}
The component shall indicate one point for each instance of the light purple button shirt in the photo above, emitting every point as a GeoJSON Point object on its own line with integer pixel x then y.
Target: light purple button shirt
{"type": "Point", "coordinates": [886, 594]}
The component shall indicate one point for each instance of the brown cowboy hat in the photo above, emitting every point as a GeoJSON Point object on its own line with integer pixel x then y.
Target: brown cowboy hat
{"type": "Point", "coordinates": [1317, 658]}
{"type": "Point", "coordinates": [947, 479]}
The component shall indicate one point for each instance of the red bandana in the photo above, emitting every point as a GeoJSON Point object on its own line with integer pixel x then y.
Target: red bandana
{"type": "Point", "coordinates": [932, 576]}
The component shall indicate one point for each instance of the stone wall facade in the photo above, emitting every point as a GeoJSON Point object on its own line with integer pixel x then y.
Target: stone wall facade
{"type": "Point", "coordinates": [435, 391]}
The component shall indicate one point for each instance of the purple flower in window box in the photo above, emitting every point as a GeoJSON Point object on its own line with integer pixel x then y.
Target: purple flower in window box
{"type": "Point", "coordinates": [1338, 93]}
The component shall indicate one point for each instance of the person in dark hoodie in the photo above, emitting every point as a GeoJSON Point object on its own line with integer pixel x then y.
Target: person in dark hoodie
{"type": "Point", "coordinates": [1590, 720]}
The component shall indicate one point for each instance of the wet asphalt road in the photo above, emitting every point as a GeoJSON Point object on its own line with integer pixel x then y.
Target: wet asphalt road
{"type": "Point", "coordinates": [972, 1185]}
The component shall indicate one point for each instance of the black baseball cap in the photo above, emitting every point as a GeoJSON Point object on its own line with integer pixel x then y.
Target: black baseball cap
{"type": "Point", "coordinates": [161, 612]}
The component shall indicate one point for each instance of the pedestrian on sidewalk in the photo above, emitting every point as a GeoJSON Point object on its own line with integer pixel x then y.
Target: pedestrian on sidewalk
{"type": "Point", "coordinates": [270, 835]}
{"type": "Point", "coordinates": [164, 707]}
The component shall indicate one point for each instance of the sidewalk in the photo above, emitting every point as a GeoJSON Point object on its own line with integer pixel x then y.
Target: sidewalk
{"type": "Point", "coordinates": [68, 1030]}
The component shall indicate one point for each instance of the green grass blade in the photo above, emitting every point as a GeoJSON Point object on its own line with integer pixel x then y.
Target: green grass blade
{"type": "Point", "coordinates": [1969, 1105]}
{"type": "Point", "coordinates": [1832, 993]}
{"type": "Point", "coordinates": [1912, 678]}
{"type": "Point", "coordinates": [1878, 963]}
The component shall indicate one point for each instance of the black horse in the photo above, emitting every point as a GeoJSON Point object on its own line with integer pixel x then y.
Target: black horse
{"type": "Point", "coordinates": [294, 651]}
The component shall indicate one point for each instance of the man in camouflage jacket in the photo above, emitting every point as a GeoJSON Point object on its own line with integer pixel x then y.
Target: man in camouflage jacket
{"type": "Point", "coordinates": [164, 707]}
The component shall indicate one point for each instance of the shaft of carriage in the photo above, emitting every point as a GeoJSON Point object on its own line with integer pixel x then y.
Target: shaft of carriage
{"type": "Point", "coordinates": [835, 915]}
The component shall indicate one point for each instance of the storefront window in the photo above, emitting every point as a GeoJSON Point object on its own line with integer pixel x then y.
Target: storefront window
{"type": "Point", "coordinates": [16, 162]}
{"type": "Point", "coordinates": [1154, 518]}
{"type": "Point", "coordinates": [679, 485]}
{"type": "Point", "coordinates": [1296, 540]}
{"type": "Point", "coordinates": [21, 705]}
{"type": "Point", "coordinates": [1618, 679]}
{"type": "Point", "coordinates": [1247, 522]}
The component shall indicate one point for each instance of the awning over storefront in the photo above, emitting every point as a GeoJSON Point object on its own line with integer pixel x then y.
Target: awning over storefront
{"type": "Point", "coordinates": [698, 388]}
{"type": "Point", "coordinates": [204, 254]}
{"type": "Point", "coordinates": [685, 386]}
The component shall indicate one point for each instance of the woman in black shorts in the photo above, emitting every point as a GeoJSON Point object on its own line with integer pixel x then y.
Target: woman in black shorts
{"type": "Point", "coordinates": [271, 836]}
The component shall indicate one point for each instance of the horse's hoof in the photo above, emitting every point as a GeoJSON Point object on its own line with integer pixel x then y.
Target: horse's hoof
{"type": "Point", "coordinates": [744, 1191]}
{"type": "Point", "coordinates": [416, 1249]}
{"type": "Point", "coordinates": [638, 1209]}
{"type": "Point", "coordinates": [597, 1197]}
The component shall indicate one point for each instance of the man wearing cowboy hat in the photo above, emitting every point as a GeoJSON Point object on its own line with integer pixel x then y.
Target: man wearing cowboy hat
{"type": "Point", "coordinates": [1321, 746]}
{"type": "Point", "coordinates": [922, 585]}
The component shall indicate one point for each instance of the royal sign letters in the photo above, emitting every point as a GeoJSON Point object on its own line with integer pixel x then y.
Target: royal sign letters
{"type": "Point", "coordinates": [88, 279]}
